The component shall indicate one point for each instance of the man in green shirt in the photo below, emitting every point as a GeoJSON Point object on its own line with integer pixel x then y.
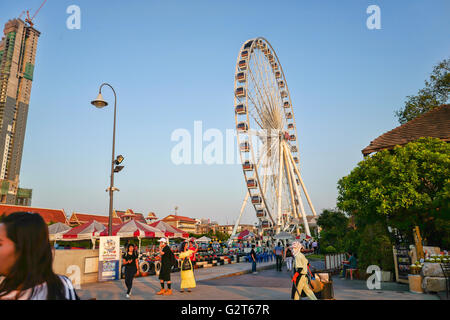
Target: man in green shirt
{"type": "Point", "coordinates": [350, 264]}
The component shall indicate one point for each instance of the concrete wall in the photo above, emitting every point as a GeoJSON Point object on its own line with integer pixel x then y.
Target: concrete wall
{"type": "Point", "coordinates": [72, 263]}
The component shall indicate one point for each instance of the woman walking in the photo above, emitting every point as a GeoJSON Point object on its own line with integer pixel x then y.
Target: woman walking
{"type": "Point", "coordinates": [187, 269]}
{"type": "Point", "coordinates": [300, 285]}
{"type": "Point", "coordinates": [26, 261]}
{"type": "Point", "coordinates": [289, 258]}
{"type": "Point", "coordinates": [130, 261]}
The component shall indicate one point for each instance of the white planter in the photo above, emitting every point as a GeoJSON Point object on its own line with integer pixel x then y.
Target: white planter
{"type": "Point", "coordinates": [384, 276]}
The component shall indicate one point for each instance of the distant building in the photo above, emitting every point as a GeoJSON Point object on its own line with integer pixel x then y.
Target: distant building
{"type": "Point", "coordinates": [184, 223]}
{"type": "Point", "coordinates": [206, 226]}
{"type": "Point", "coordinates": [128, 215]}
{"type": "Point", "coordinates": [228, 228]}
{"type": "Point", "coordinates": [17, 60]}
{"type": "Point", "coordinates": [50, 216]}
{"type": "Point", "coordinates": [80, 218]}
{"type": "Point", "coordinates": [151, 217]}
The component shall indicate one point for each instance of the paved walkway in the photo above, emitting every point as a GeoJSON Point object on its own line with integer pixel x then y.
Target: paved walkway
{"type": "Point", "coordinates": [146, 287]}
{"type": "Point", "coordinates": [235, 282]}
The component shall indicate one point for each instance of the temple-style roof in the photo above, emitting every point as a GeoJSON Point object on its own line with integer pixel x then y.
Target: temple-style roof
{"type": "Point", "coordinates": [435, 123]}
{"type": "Point", "coordinates": [49, 215]}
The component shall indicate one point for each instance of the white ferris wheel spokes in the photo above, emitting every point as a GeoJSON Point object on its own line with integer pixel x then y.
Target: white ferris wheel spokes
{"type": "Point", "coordinates": [267, 139]}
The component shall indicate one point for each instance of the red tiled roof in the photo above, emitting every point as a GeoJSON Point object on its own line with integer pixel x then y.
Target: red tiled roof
{"type": "Point", "coordinates": [140, 217]}
{"type": "Point", "coordinates": [151, 215]}
{"type": "Point", "coordinates": [173, 217]}
{"type": "Point", "coordinates": [49, 215]}
{"type": "Point", "coordinates": [434, 123]}
{"type": "Point", "coordinates": [83, 218]}
{"type": "Point", "coordinates": [135, 215]}
{"type": "Point", "coordinates": [121, 214]}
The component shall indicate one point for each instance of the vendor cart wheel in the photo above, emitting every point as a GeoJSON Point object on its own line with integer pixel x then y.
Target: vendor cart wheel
{"type": "Point", "coordinates": [157, 267]}
{"type": "Point", "coordinates": [144, 266]}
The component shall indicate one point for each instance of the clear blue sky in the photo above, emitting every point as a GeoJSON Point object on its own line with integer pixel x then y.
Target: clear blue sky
{"type": "Point", "coordinates": [172, 62]}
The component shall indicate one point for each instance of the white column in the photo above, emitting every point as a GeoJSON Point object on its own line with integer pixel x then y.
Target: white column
{"type": "Point", "coordinates": [280, 185]}
{"type": "Point", "coordinates": [302, 209]}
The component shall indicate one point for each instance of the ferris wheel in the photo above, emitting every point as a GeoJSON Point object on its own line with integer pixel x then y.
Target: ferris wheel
{"type": "Point", "coordinates": [267, 141]}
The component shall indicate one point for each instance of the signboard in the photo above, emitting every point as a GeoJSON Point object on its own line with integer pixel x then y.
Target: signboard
{"type": "Point", "coordinates": [402, 262]}
{"type": "Point", "coordinates": [109, 258]}
{"type": "Point", "coordinates": [91, 265]}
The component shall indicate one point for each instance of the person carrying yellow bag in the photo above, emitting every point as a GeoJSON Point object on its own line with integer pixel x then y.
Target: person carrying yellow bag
{"type": "Point", "coordinates": [187, 270]}
{"type": "Point", "coordinates": [300, 281]}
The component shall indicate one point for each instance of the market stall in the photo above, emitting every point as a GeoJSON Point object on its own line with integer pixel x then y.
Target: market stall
{"type": "Point", "coordinates": [133, 229]}
{"type": "Point", "coordinates": [170, 231]}
{"type": "Point", "coordinates": [86, 231]}
{"type": "Point", "coordinates": [57, 230]}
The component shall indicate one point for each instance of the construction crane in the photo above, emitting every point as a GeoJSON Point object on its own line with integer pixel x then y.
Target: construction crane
{"type": "Point", "coordinates": [20, 17]}
{"type": "Point", "coordinates": [30, 20]}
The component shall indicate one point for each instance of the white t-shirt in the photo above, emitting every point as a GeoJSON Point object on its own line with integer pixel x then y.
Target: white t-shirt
{"type": "Point", "coordinates": [40, 292]}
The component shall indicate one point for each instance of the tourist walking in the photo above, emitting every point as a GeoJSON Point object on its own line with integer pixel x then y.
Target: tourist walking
{"type": "Point", "coordinates": [278, 251]}
{"type": "Point", "coordinates": [26, 261]}
{"type": "Point", "coordinates": [314, 246]}
{"type": "Point", "coordinates": [300, 281]}
{"type": "Point", "coordinates": [253, 259]}
{"type": "Point", "coordinates": [167, 257]}
{"type": "Point", "coordinates": [130, 261]}
{"type": "Point", "coordinates": [187, 268]}
{"type": "Point", "coordinates": [289, 258]}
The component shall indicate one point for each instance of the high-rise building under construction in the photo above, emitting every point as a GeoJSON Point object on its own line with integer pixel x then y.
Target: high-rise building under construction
{"type": "Point", "coordinates": [17, 59]}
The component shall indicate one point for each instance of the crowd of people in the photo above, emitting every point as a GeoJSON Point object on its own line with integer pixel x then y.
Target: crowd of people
{"type": "Point", "coordinates": [188, 249]}
{"type": "Point", "coordinates": [26, 261]}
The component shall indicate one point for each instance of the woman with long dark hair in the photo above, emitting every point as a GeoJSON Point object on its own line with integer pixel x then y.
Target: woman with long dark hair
{"type": "Point", "coordinates": [130, 261]}
{"type": "Point", "coordinates": [26, 261]}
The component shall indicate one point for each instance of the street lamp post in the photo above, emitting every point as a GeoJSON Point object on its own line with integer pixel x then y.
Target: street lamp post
{"type": "Point", "coordinates": [99, 102]}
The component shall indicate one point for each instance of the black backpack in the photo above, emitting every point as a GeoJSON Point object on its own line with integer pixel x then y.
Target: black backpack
{"type": "Point", "coordinates": [173, 260]}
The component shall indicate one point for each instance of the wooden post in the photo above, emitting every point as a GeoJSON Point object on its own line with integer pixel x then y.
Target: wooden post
{"type": "Point", "coordinates": [418, 241]}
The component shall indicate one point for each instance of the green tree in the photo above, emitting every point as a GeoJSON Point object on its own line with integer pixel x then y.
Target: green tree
{"type": "Point", "coordinates": [221, 236]}
{"type": "Point", "coordinates": [402, 188]}
{"type": "Point", "coordinates": [435, 93]}
{"type": "Point", "coordinates": [334, 226]}
{"type": "Point", "coordinates": [375, 248]}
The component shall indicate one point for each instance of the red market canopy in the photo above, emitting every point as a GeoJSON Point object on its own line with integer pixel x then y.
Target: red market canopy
{"type": "Point", "coordinates": [245, 234]}
{"type": "Point", "coordinates": [306, 237]}
{"type": "Point", "coordinates": [84, 231]}
{"type": "Point", "coordinates": [169, 231]}
{"type": "Point", "coordinates": [132, 229]}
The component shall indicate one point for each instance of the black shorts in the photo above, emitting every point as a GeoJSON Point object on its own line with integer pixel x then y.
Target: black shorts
{"type": "Point", "coordinates": [164, 274]}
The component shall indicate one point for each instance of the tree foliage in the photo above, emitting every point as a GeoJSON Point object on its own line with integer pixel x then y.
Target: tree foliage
{"type": "Point", "coordinates": [375, 248]}
{"type": "Point", "coordinates": [401, 188]}
{"type": "Point", "coordinates": [435, 93]}
{"type": "Point", "coordinates": [334, 226]}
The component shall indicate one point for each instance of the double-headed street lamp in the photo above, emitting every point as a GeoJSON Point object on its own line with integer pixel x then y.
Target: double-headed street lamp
{"type": "Point", "coordinates": [99, 102]}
